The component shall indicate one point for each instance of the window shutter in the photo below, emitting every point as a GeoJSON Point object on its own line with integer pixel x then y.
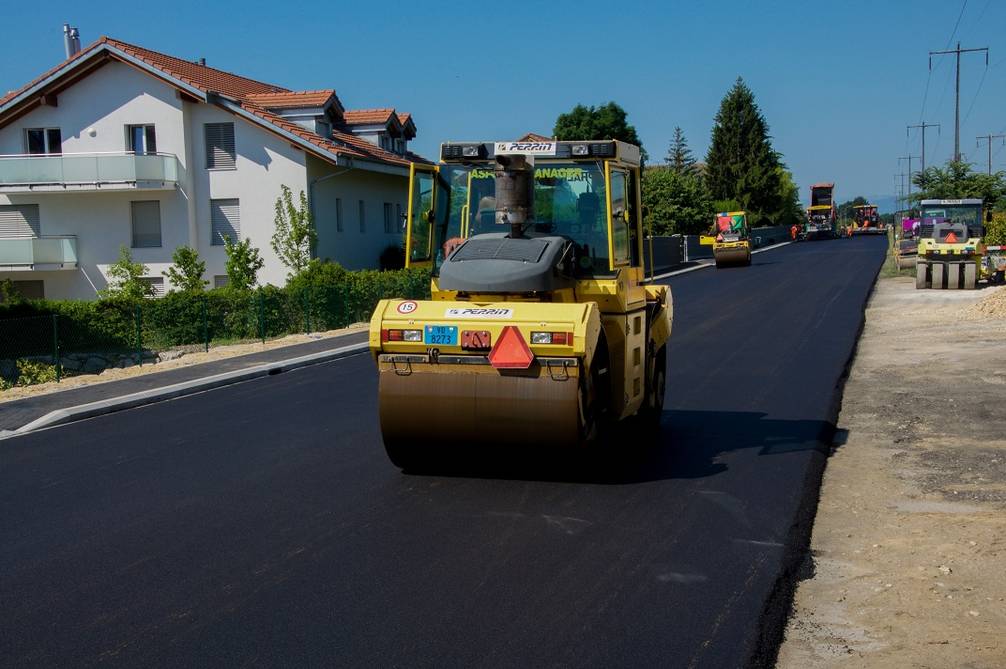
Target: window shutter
{"type": "Point", "coordinates": [19, 220]}
{"type": "Point", "coordinates": [225, 221]}
{"type": "Point", "coordinates": [146, 218]}
{"type": "Point", "coordinates": [219, 146]}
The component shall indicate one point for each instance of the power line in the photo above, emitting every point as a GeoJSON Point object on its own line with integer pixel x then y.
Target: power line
{"type": "Point", "coordinates": [923, 126]}
{"type": "Point", "coordinates": [956, 25]}
{"type": "Point", "coordinates": [975, 98]}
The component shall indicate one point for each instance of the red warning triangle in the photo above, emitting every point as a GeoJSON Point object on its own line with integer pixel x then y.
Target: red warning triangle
{"type": "Point", "coordinates": [951, 238]}
{"type": "Point", "coordinates": [511, 351]}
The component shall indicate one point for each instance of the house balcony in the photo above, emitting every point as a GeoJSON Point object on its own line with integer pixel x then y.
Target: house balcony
{"type": "Point", "coordinates": [88, 172]}
{"type": "Point", "coordinates": [39, 254]}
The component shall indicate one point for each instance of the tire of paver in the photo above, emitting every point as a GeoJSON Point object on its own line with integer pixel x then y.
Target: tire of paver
{"type": "Point", "coordinates": [953, 276]}
{"type": "Point", "coordinates": [938, 272]}
{"type": "Point", "coordinates": [921, 270]}
{"type": "Point", "coordinates": [970, 276]}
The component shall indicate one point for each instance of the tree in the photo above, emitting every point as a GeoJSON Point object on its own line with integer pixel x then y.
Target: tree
{"type": "Point", "coordinates": [679, 156]}
{"type": "Point", "coordinates": [243, 264]}
{"type": "Point", "coordinates": [676, 203]}
{"type": "Point", "coordinates": [604, 122]}
{"type": "Point", "coordinates": [186, 274]}
{"type": "Point", "coordinates": [790, 210]}
{"type": "Point", "coordinates": [295, 235]}
{"type": "Point", "coordinates": [127, 279]}
{"type": "Point", "coordinates": [741, 164]}
{"type": "Point", "coordinates": [956, 180]}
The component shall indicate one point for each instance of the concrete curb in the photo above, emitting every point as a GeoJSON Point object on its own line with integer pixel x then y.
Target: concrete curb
{"type": "Point", "coordinates": [92, 409]}
{"type": "Point", "coordinates": [707, 262]}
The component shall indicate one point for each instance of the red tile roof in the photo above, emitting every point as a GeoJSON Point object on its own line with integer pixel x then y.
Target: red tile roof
{"type": "Point", "coordinates": [292, 99]}
{"type": "Point", "coordinates": [534, 137]}
{"type": "Point", "coordinates": [202, 77]}
{"type": "Point", "coordinates": [255, 97]}
{"type": "Point", "coordinates": [404, 118]}
{"type": "Point", "coordinates": [367, 116]}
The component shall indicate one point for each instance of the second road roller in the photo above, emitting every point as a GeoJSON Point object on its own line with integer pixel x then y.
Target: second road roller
{"type": "Point", "coordinates": [540, 330]}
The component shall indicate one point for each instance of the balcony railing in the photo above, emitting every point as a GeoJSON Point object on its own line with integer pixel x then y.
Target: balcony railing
{"type": "Point", "coordinates": [87, 171]}
{"type": "Point", "coordinates": [38, 253]}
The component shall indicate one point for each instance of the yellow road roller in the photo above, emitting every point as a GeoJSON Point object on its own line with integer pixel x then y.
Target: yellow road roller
{"type": "Point", "coordinates": [540, 330]}
{"type": "Point", "coordinates": [730, 239]}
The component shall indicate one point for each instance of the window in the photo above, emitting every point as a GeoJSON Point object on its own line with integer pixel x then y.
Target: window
{"type": "Point", "coordinates": [29, 290]}
{"type": "Point", "coordinates": [220, 280]}
{"type": "Point", "coordinates": [19, 221]}
{"type": "Point", "coordinates": [363, 217]}
{"type": "Point", "coordinates": [225, 221]}
{"type": "Point", "coordinates": [338, 214]}
{"type": "Point", "coordinates": [620, 237]}
{"type": "Point", "coordinates": [41, 141]}
{"type": "Point", "coordinates": [141, 139]}
{"type": "Point", "coordinates": [156, 282]}
{"type": "Point", "coordinates": [146, 220]}
{"type": "Point", "coordinates": [219, 146]}
{"type": "Point", "coordinates": [389, 219]}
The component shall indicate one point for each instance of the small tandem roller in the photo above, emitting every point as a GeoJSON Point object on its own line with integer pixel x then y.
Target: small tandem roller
{"type": "Point", "coordinates": [539, 328]}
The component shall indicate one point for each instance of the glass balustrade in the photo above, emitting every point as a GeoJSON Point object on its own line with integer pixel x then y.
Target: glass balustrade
{"type": "Point", "coordinates": [35, 251]}
{"type": "Point", "coordinates": [81, 170]}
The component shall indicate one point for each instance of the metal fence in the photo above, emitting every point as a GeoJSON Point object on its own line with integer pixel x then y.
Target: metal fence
{"type": "Point", "coordinates": [89, 337]}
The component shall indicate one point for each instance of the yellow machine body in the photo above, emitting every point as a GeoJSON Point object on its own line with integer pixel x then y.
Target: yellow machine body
{"type": "Point", "coordinates": [610, 327]}
{"type": "Point", "coordinates": [945, 262]}
{"type": "Point", "coordinates": [731, 246]}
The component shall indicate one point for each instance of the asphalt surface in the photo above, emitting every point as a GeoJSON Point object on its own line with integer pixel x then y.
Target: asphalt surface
{"type": "Point", "coordinates": [261, 524]}
{"type": "Point", "coordinates": [15, 413]}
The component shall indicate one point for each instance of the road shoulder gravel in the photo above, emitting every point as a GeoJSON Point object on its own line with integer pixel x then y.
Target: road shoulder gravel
{"type": "Point", "coordinates": [909, 543]}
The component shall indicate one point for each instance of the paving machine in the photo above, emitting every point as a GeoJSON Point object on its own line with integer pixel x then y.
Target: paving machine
{"type": "Point", "coordinates": [821, 220]}
{"type": "Point", "coordinates": [866, 220]}
{"type": "Point", "coordinates": [730, 239]}
{"type": "Point", "coordinates": [950, 251]}
{"type": "Point", "coordinates": [540, 328]}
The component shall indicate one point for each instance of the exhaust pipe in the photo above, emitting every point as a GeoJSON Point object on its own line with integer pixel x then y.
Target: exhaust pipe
{"type": "Point", "coordinates": [514, 193]}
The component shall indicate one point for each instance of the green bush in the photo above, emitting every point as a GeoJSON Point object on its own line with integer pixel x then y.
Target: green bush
{"type": "Point", "coordinates": [995, 230]}
{"type": "Point", "coordinates": [324, 296]}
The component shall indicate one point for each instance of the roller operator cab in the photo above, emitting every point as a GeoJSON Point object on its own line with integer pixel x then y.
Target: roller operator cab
{"type": "Point", "coordinates": [730, 238]}
{"type": "Point", "coordinates": [950, 250]}
{"type": "Point", "coordinates": [539, 329]}
{"type": "Point", "coordinates": [821, 219]}
{"type": "Point", "coordinates": [866, 220]}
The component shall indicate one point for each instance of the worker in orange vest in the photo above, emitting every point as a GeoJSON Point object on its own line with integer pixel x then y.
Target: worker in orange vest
{"type": "Point", "coordinates": [793, 231]}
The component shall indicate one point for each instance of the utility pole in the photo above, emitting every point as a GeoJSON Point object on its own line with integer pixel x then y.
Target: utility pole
{"type": "Point", "coordinates": [988, 139]}
{"type": "Point", "coordinates": [957, 103]}
{"type": "Point", "coordinates": [909, 159]}
{"type": "Point", "coordinates": [923, 125]}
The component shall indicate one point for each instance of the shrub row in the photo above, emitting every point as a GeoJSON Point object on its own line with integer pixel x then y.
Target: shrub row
{"type": "Point", "coordinates": [323, 297]}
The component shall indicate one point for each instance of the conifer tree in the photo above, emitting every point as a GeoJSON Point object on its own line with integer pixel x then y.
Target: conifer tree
{"type": "Point", "coordinates": [741, 164]}
{"type": "Point", "coordinates": [679, 156]}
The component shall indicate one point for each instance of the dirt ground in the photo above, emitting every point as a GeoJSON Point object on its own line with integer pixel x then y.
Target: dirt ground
{"type": "Point", "coordinates": [909, 543]}
{"type": "Point", "coordinates": [194, 355]}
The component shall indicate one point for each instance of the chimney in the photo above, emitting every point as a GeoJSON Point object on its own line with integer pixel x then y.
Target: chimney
{"type": "Point", "coordinates": [202, 61]}
{"type": "Point", "coordinates": [71, 40]}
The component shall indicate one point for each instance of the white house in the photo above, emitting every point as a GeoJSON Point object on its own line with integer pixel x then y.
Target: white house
{"type": "Point", "coordinates": [120, 145]}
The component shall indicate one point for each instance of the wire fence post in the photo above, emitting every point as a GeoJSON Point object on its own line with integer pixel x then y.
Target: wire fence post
{"type": "Point", "coordinates": [206, 327]}
{"type": "Point", "coordinates": [138, 317]}
{"type": "Point", "coordinates": [307, 309]}
{"type": "Point", "coordinates": [261, 315]}
{"type": "Point", "coordinates": [55, 348]}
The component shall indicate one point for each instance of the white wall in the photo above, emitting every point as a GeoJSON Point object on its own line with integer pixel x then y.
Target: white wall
{"type": "Point", "coordinates": [264, 163]}
{"type": "Point", "coordinates": [351, 248]}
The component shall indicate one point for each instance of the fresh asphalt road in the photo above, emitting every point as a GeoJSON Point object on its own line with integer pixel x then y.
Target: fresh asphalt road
{"type": "Point", "coordinates": [260, 524]}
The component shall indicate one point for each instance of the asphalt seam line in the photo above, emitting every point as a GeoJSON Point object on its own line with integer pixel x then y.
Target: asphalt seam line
{"type": "Point", "coordinates": [92, 409]}
{"type": "Point", "coordinates": [702, 264]}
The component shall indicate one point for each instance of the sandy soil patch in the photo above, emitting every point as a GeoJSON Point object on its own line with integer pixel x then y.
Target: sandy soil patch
{"type": "Point", "coordinates": [909, 543]}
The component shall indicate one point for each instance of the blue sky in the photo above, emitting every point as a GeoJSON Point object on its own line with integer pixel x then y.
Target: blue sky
{"type": "Point", "coordinates": [836, 81]}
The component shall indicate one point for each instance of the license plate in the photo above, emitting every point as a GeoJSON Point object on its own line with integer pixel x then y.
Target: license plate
{"type": "Point", "coordinates": [441, 335]}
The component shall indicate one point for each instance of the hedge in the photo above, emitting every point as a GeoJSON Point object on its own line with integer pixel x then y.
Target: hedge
{"type": "Point", "coordinates": [324, 297]}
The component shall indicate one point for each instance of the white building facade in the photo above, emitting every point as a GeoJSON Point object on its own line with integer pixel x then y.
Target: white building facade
{"type": "Point", "coordinates": [122, 146]}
